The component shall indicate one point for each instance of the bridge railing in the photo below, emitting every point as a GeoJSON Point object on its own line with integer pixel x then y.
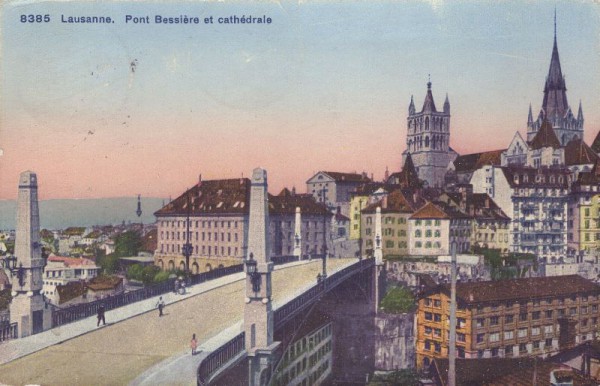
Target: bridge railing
{"type": "Point", "coordinates": [76, 312]}
{"type": "Point", "coordinates": [216, 359]}
{"type": "Point", "coordinates": [8, 331]}
{"type": "Point", "coordinates": [290, 309]}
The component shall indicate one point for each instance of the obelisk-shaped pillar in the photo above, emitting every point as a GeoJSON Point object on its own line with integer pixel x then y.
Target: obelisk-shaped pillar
{"type": "Point", "coordinates": [378, 253]}
{"type": "Point", "coordinates": [27, 307]}
{"type": "Point", "coordinates": [258, 312]}
{"type": "Point", "coordinates": [298, 234]}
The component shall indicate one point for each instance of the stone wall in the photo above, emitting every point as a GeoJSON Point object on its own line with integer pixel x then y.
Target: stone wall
{"type": "Point", "coordinates": [394, 341]}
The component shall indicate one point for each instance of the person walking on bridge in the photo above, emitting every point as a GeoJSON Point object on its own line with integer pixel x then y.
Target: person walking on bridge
{"type": "Point", "coordinates": [160, 305]}
{"type": "Point", "coordinates": [194, 344]}
{"type": "Point", "coordinates": [101, 315]}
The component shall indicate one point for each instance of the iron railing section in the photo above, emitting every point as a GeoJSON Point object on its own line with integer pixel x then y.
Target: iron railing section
{"type": "Point", "coordinates": [8, 331]}
{"type": "Point", "coordinates": [80, 311]}
{"type": "Point", "coordinates": [292, 308]}
{"type": "Point", "coordinates": [216, 359]}
{"type": "Point", "coordinates": [277, 260]}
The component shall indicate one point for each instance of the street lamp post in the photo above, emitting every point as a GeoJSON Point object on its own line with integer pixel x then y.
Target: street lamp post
{"type": "Point", "coordinates": [252, 272]}
{"type": "Point", "coordinates": [187, 247]}
{"type": "Point", "coordinates": [10, 263]}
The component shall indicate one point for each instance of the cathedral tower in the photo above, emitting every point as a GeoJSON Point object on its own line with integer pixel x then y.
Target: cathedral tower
{"type": "Point", "coordinates": [555, 107]}
{"type": "Point", "coordinates": [428, 140]}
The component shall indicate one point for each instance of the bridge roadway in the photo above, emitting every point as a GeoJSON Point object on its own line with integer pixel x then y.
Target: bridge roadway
{"type": "Point", "coordinates": [117, 353]}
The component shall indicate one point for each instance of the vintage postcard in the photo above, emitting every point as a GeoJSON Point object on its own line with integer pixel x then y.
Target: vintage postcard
{"type": "Point", "coordinates": [299, 192]}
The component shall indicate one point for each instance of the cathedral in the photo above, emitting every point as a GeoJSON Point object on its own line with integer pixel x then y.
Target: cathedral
{"type": "Point", "coordinates": [555, 108]}
{"type": "Point", "coordinates": [428, 140]}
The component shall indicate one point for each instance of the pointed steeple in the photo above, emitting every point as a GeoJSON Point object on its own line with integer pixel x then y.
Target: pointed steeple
{"type": "Point", "coordinates": [530, 116]}
{"type": "Point", "coordinates": [409, 178]}
{"type": "Point", "coordinates": [429, 104]}
{"type": "Point", "coordinates": [555, 103]}
{"type": "Point", "coordinates": [447, 105]}
{"type": "Point", "coordinates": [545, 137]}
{"type": "Point", "coordinates": [580, 113]}
{"type": "Point", "coordinates": [411, 107]}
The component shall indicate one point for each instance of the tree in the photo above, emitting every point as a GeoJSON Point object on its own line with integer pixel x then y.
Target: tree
{"type": "Point", "coordinates": [398, 300]}
{"type": "Point", "coordinates": [128, 244]}
{"type": "Point", "coordinates": [404, 377]}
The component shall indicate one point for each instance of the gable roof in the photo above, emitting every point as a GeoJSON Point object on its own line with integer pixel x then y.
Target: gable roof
{"type": "Point", "coordinates": [596, 143]}
{"type": "Point", "coordinates": [437, 210]}
{"type": "Point", "coordinates": [545, 137]}
{"type": "Point", "coordinates": [521, 289]}
{"type": "Point", "coordinates": [398, 201]}
{"type": "Point", "coordinates": [286, 203]}
{"type": "Point", "coordinates": [578, 153]}
{"type": "Point", "coordinates": [211, 196]}
{"type": "Point", "coordinates": [547, 176]}
{"type": "Point", "coordinates": [347, 177]}
{"type": "Point", "coordinates": [472, 162]}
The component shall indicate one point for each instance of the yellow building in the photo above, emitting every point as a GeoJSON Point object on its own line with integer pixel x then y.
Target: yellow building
{"type": "Point", "coordinates": [358, 202]}
{"type": "Point", "coordinates": [508, 318]}
{"type": "Point", "coordinates": [396, 209]}
{"type": "Point", "coordinates": [584, 213]}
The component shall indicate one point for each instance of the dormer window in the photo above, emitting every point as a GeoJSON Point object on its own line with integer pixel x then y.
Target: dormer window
{"type": "Point", "coordinates": [516, 178]}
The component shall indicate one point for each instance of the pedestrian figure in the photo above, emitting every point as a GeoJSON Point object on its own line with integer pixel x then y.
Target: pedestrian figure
{"type": "Point", "coordinates": [176, 286]}
{"type": "Point", "coordinates": [101, 315]}
{"type": "Point", "coordinates": [194, 344]}
{"type": "Point", "coordinates": [160, 305]}
{"type": "Point", "coordinates": [182, 288]}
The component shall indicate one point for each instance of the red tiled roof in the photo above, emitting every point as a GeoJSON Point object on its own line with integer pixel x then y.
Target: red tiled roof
{"type": "Point", "coordinates": [347, 177]}
{"type": "Point", "coordinates": [398, 201]}
{"type": "Point", "coordinates": [545, 137]}
{"type": "Point", "coordinates": [472, 162]}
{"type": "Point", "coordinates": [518, 289]}
{"type": "Point", "coordinates": [71, 261]}
{"type": "Point", "coordinates": [578, 153]}
{"type": "Point", "coordinates": [286, 204]}
{"type": "Point", "coordinates": [229, 196]}
{"type": "Point", "coordinates": [104, 283]}
{"type": "Point", "coordinates": [430, 211]}
{"type": "Point", "coordinates": [596, 144]}
{"type": "Point", "coordinates": [546, 174]}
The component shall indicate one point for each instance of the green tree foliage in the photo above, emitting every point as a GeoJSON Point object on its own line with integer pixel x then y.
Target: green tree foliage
{"type": "Point", "coordinates": [398, 300]}
{"type": "Point", "coordinates": [146, 274]}
{"type": "Point", "coordinates": [108, 263]}
{"type": "Point", "coordinates": [128, 244]}
{"type": "Point", "coordinates": [404, 377]}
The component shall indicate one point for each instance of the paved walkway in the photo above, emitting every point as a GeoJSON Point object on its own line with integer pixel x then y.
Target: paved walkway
{"type": "Point", "coordinates": [139, 346]}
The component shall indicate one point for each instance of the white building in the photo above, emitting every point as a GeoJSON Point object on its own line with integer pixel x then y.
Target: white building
{"type": "Point", "coordinates": [61, 270]}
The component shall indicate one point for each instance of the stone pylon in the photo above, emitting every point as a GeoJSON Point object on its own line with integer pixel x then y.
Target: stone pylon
{"type": "Point", "coordinates": [28, 307]}
{"type": "Point", "coordinates": [377, 240]}
{"type": "Point", "coordinates": [298, 234]}
{"type": "Point", "coordinates": [258, 311]}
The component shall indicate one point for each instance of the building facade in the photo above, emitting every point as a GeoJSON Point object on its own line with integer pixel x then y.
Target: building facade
{"type": "Point", "coordinates": [218, 225]}
{"type": "Point", "coordinates": [334, 188]}
{"type": "Point", "coordinates": [508, 318]}
{"type": "Point", "coordinates": [61, 270]}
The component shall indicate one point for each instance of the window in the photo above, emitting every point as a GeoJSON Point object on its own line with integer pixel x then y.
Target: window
{"type": "Point", "coordinates": [535, 330]}
{"type": "Point", "coordinates": [437, 332]}
{"type": "Point", "coordinates": [508, 350]}
{"type": "Point", "coordinates": [427, 345]}
{"type": "Point", "coordinates": [548, 329]}
{"type": "Point", "coordinates": [480, 338]}
{"type": "Point", "coordinates": [460, 337]}
{"type": "Point", "coordinates": [535, 315]}
{"type": "Point", "coordinates": [494, 337]}
{"type": "Point", "coordinates": [523, 317]}
{"type": "Point", "coordinates": [548, 343]}
{"type": "Point", "coordinates": [536, 344]}
{"type": "Point", "coordinates": [428, 330]}
{"type": "Point", "coordinates": [494, 352]}
{"type": "Point", "coordinates": [573, 311]}
{"type": "Point", "coordinates": [509, 335]}
{"type": "Point", "coordinates": [494, 320]}
{"type": "Point", "coordinates": [480, 322]}
{"type": "Point", "coordinates": [522, 332]}
{"type": "Point", "coordinates": [522, 348]}
{"type": "Point", "coordinates": [509, 319]}
{"type": "Point", "coordinates": [437, 317]}
{"type": "Point", "coordinates": [549, 314]}
{"type": "Point", "coordinates": [428, 316]}
{"type": "Point", "coordinates": [561, 312]}
{"type": "Point", "coordinates": [437, 303]}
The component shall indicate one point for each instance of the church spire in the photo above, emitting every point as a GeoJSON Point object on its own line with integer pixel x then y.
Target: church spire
{"type": "Point", "coordinates": [429, 104]}
{"type": "Point", "coordinates": [555, 103]}
{"type": "Point", "coordinates": [447, 105]}
{"type": "Point", "coordinates": [580, 113]}
{"type": "Point", "coordinates": [530, 116]}
{"type": "Point", "coordinates": [411, 107]}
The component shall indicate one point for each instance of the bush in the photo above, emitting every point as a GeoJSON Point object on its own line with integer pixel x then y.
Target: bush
{"type": "Point", "coordinates": [134, 272]}
{"type": "Point", "coordinates": [397, 301]}
{"type": "Point", "coordinates": [161, 276]}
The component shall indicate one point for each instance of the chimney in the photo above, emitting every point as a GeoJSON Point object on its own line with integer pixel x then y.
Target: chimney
{"type": "Point", "coordinates": [199, 180]}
